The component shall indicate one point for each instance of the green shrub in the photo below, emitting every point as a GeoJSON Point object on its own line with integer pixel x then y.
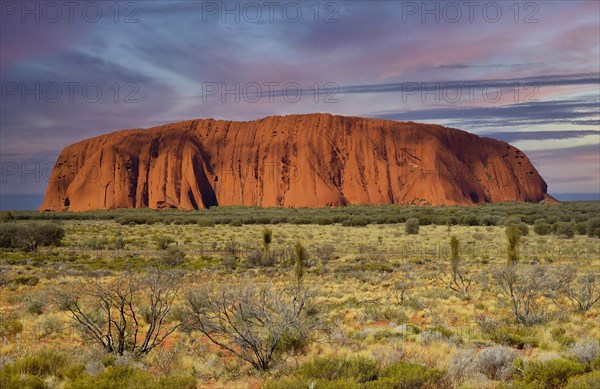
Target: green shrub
{"type": "Point", "coordinates": [30, 236]}
{"type": "Point", "coordinates": [445, 332]}
{"type": "Point", "coordinates": [229, 261]}
{"type": "Point", "coordinates": [163, 242]}
{"type": "Point", "coordinates": [358, 368]}
{"type": "Point", "coordinates": [358, 222]}
{"type": "Point", "coordinates": [468, 220]}
{"type": "Point", "coordinates": [109, 360]}
{"type": "Point", "coordinates": [292, 343]}
{"type": "Point", "coordinates": [523, 229]}
{"type": "Point", "coordinates": [278, 220]}
{"type": "Point", "coordinates": [512, 220]}
{"type": "Point", "coordinates": [116, 377]}
{"type": "Point", "coordinates": [10, 328]}
{"type": "Point", "coordinates": [542, 228]}
{"type": "Point", "coordinates": [37, 234]}
{"type": "Point", "coordinates": [119, 243]}
{"type": "Point", "coordinates": [549, 374]}
{"type": "Point", "coordinates": [248, 220]}
{"type": "Point", "coordinates": [489, 221]}
{"type": "Point", "coordinates": [17, 381]}
{"type": "Point", "coordinates": [425, 220]}
{"type": "Point", "coordinates": [388, 313]}
{"type": "Point", "coordinates": [513, 237]}
{"type": "Point", "coordinates": [323, 221]}
{"type": "Point", "coordinates": [136, 219]}
{"type": "Point", "coordinates": [411, 227]}
{"type": "Point", "coordinates": [8, 235]}
{"type": "Point", "coordinates": [173, 256]}
{"type": "Point", "coordinates": [301, 220]}
{"type": "Point", "coordinates": [6, 217]}
{"type": "Point", "coordinates": [586, 381]}
{"type": "Point", "coordinates": [48, 325]}
{"type": "Point", "coordinates": [581, 228]}
{"type": "Point", "coordinates": [97, 243]}
{"type": "Point", "coordinates": [560, 335]}
{"type": "Point", "coordinates": [74, 371]}
{"type": "Point", "coordinates": [593, 228]}
{"type": "Point", "coordinates": [177, 382]}
{"type": "Point", "coordinates": [406, 375]}
{"type": "Point", "coordinates": [205, 222]}
{"type": "Point", "coordinates": [35, 306]}
{"type": "Point", "coordinates": [42, 364]}
{"type": "Point", "coordinates": [360, 373]}
{"type": "Point", "coordinates": [26, 280]}
{"type": "Point", "coordinates": [235, 223]}
{"type": "Point", "coordinates": [516, 337]}
{"type": "Point", "coordinates": [565, 230]}
{"type": "Point", "coordinates": [299, 382]}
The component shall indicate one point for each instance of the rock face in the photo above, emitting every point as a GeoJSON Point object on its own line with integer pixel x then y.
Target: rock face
{"type": "Point", "coordinates": [313, 160]}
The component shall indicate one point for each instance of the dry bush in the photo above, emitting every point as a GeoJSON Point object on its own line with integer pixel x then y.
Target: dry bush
{"type": "Point", "coordinates": [111, 314]}
{"type": "Point", "coordinates": [459, 280]}
{"type": "Point", "coordinates": [584, 291]}
{"type": "Point", "coordinates": [521, 289]}
{"type": "Point", "coordinates": [462, 366]}
{"type": "Point", "coordinates": [585, 351]}
{"type": "Point", "coordinates": [248, 321]}
{"type": "Point", "coordinates": [496, 362]}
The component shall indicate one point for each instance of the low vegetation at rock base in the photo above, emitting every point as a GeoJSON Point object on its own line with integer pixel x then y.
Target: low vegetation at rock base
{"type": "Point", "coordinates": [504, 296]}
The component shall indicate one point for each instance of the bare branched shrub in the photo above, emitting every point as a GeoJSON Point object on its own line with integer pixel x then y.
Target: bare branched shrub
{"type": "Point", "coordinates": [249, 322]}
{"type": "Point", "coordinates": [521, 289]}
{"type": "Point", "coordinates": [458, 280]}
{"type": "Point", "coordinates": [233, 248]}
{"type": "Point", "coordinates": [581, 290]}
{"type": "Point", "coordinates": [260, 258]}
{"type": "Point", "coordinates": [406, 283]}
{"type": "Point", "coordinates": [325, 253]}
{"type": "Point", "coordinates": [254, 257]}
{"type": "Point", "coordinates": [488, 325]}
{"type": "Point", "coordinates": [584, 291]}
{"type": "Point", "coordinates": [112, 314]}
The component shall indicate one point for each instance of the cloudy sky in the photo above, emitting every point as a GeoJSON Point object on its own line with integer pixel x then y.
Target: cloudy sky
{"type": "Point", "coordinates": [526, 74]}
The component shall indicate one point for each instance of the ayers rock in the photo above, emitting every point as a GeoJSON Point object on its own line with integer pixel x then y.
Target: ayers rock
{"type": "Point", "coordinates": [312, 160]}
